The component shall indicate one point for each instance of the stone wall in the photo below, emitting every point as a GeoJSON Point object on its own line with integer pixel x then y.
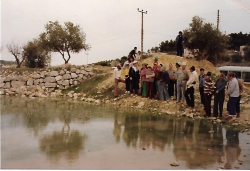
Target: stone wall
{"type": "Point", "coordinates": [42, 83]}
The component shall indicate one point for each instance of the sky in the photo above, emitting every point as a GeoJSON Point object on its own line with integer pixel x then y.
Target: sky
{"type": "Point", "coordinates": [113, 27]}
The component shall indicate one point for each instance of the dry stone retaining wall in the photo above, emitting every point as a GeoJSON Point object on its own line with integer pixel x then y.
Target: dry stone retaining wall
{"type": "Point", "coordinates": [42, 83]}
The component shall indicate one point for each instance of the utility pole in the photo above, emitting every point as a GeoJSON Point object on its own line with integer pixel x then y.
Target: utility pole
{"type": "Point", "coordinates": [141, 29]}
{"type": "Point", "coordinates": [218, 19]}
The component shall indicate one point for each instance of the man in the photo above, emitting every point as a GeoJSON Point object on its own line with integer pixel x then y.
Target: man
{"type": "Point", "coordinates": [179, 44]}
{"type": "Point", "coordinates": [241, 87]}
{"type": "Point", "coordinates": [117, 77]}
{"type": "Point", "coordinates": [134, 76]}
{"type": "Point", "coordinates": [163, 92]}
{"type": "Point", "coordinates": [132, 53]}
{"type": "Point", "coordinates": [156, 69]}
{"type": "Point", "coordinates": [189, 94]}
{"type": "Point", "coordinates": [233, 93]}
{"type": "Point", "coordinates": [143, 80]}
{"type": "Point", "coordinates": [201, 85]}
{"type": "Point", "coordinates": [208, 92]}
{"type": "Point", "coordinates": [150, 75]}
{"type": "Point", "coordinates": [172, 81]}
{"type": "Point", "coordinates": [182, 77]}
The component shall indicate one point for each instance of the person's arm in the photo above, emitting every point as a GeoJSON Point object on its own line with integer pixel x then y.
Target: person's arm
{"type": "Point", "coordinates": [231, 87]}
{"type": "Point", "coordinates": [190, 80]}
{"type": "Point", "coordinates": [222, 87]}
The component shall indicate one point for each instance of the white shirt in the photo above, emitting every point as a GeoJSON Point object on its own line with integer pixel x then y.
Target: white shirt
{"type": "Point", "coordinates": [193, 77]}
{"type": "Point", "coordinates": [117, 73]}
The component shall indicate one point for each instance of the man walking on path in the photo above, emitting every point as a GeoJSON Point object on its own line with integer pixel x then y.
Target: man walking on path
{"type": "Point", "coordinates": [233, 93]}
{"type": "Point", "coordinates": [179, 43]}
{"type": "Point", "coordinates": [189, 94]}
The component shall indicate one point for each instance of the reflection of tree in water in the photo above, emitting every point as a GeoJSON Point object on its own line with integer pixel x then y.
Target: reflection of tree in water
{"type": "Point", "coordinates": [232, 148]}
{"type": "Point", "coordinates": [67, 143]}
{"type": "Point", "coordinates": [191, 139]}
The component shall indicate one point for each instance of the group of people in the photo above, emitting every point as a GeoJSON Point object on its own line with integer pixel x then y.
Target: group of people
{"type": "Point", "coordinates": [156, 82]}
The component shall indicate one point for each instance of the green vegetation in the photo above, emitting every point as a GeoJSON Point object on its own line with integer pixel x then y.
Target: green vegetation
{"type": "Point", "coordinates": [237, 58]}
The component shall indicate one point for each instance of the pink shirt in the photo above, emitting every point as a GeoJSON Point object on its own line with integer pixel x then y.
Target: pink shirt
{"type": "Point", "coordinates": [143, 74]}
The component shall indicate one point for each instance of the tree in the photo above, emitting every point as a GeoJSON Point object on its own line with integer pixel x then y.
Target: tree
{"type": "Point", "coordinates": [36, 54]}
{"type": "Point", "coordinates": [167, 46]}
{"type": "Point", "coordinates": [15, 50]}
{"type": "Point", "coordinates": [67, 39]}
{"type": "Point", "coordinates": [238, 39]}
{"type": "Point", "coordinates": [209, 41]}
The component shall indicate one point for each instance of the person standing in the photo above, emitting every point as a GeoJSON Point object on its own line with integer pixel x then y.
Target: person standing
{"type": "Point", "coordinates": [219, 95]}
{"type": "Point", "coordinates": [208, 92]}
{"type": "Point", "coordinates": [182, 77]}
{"type": "Point", "coordinates": [241, 87]}
{"type": "Point", "coordinates": [127, 80]}
{"type": "Point", "coordinates": [172, 82]}
{"type": "Point", "coordinates": [233, 93]}
{"type": "Point", "coordinates": [132, 53]}
{"type": "Point", "coordinates": [189, 94]}
{"type": "Point", "coordinates": [143, 80]}
{"type": "Point", "coordinates": [150, 75]}
{"type": "Point", "coordinates": [117, 77]}
{"type": "Point", "coordinates": [163, 92]}
{"type": "Point", "coordinates": [156, 69]}
{"type": "Point", "coordinates": [134, 76]}
{"type": "Point", "coordinates": [179, 43]}
{"type": "Point", "coordinates": [201, 85]}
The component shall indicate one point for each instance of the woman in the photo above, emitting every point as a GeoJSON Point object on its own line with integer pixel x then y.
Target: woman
{"type": "Point", "coordinates": [134, 76]}
{"type": "Point", "coordinates": [219, 95]}
{"type": "Point", "coordinates": [143, 80]}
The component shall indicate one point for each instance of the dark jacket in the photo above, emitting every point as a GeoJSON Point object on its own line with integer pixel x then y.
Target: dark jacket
{"type": "Point", "coordinates": [134, 74]}
{"type": "Point", "coordinates": [165, 77]}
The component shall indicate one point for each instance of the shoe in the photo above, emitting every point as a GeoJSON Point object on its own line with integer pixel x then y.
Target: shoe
{"type": "Point", "coordinates": [237, 115]}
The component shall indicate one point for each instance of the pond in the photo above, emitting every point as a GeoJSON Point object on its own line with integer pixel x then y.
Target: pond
{"type": "Point", "coordinates": [63, 134]}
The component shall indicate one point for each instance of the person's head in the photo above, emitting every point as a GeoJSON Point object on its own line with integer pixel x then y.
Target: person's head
{"type": "Point", "coordinates": [135, 48]}
{"type": "Point", "coordinates": [180, 33]}
{"type": "Point", "coordinates": [230, 75]}
{"type": "Point", "coordinates": [135, 63]}
{"type": "Point", "coordinates": [149, 68]}
{"type": "Point", "coordinates": [119, 66]}
{"type": "Point", "coordinates": [177, 65]}
{"type": "Point", "coordinates": [183, 65]}
{"type": "Point", "coordinates": [155, 64]}
{"type": "Point", "coordinates": [127, 65]}
{"type": "Point", "coordinates": [163, 68]}
{"type": "Point", "coordinates": [222, 76]}
{"type": "Point", "coordinates": [209, 74]}
{"type": "Point", "coordinates": [156, 59]}
{"type": "Point", "coordinates": [207, 77]}
{"type": "Point", "coordinates": [144, 65]}
{"type": "Point", "coordinates": [170, 66]}
{"type": "Point", "coordinates": [202, 71]}
{"type": "Point", "coordinates": [192, 69]}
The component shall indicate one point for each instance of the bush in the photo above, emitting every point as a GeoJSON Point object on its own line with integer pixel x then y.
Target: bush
{"type": "Point", "coordinates": [237, 58]}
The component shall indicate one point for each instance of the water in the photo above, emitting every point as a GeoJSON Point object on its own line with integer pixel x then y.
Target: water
{"type": "Point", "coordinates": [61, 134]}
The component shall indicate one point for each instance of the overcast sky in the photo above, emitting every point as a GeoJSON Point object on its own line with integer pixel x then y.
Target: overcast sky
{"type": "Point", "coordinates": [113, 27]}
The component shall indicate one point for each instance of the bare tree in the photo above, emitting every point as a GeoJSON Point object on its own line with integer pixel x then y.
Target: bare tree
{"type": "Point", "coordinates": [15, 50]}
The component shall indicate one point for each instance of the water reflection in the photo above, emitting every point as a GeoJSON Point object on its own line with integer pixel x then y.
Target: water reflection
{"type": "Point", "coordinates": [90, 135]}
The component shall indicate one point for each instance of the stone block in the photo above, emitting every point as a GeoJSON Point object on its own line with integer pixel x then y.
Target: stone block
{"type": "Point", "coordinates": [73, 70]}
{"type": "Point", "coordinates": [66, 77]}
{"type": "Point", "coordinates": [35, 76]}
{"type": "Point", "coordinates": [62, 72]}
{"type": "Point", "coordinates": [50, 85]}
{"type": "Point", "coordinates": [54, 73]}
{"type": "Point", "coordinates": [84, 72]}
{"type": "Point", "coordinates": [59, 77]}
{"type": "Point", "coordinates": [49, 79]}
{"type": "Point", "coordinates": [65, 83]}
{"type": "Point", "coordinates": [73, 75]}
{"type": "Point", "coordinates": [16, 84]}
{"type": "Point", "coordinates": [30, 82]}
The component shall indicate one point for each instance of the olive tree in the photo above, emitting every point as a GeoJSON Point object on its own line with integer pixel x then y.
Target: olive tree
{"type": "Point", "coordinates": [36, 55]}
{"type": "Point", "coordinates": [64, 39]}
{"type": "Point", "coordinates": [16, 51]}
{"type": "Point", "coordinates": [206, 39]}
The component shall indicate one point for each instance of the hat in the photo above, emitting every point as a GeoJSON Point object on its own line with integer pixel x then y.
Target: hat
{"type": "Point", "coordinates": [149, 67]}
{"type": "Point", "coordinates": [178, 63]}
{"type": "Point", "coordinates": [180, 31]}
{"type": "Point", "coordinates": [145, 64]}
{"type": "Point", "coordinates": [183, 63]}
{"type": "Point", "coordinates": [156, 59]}
{"type": "Point", "coordinates": [192, 68]}
{"type": "Point", "coordinates": [127, 64]}
{"type": "Point", "coordinates": [163, 68]}
{"type": "Point", "coordinates": [135, 62]}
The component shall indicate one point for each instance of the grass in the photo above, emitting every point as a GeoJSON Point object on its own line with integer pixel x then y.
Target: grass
{"type": "Point", "coordinates": [88, 87]}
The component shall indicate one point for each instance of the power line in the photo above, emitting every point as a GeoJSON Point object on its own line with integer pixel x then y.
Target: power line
{"type": "Point", "coordinates": [141, 29]}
